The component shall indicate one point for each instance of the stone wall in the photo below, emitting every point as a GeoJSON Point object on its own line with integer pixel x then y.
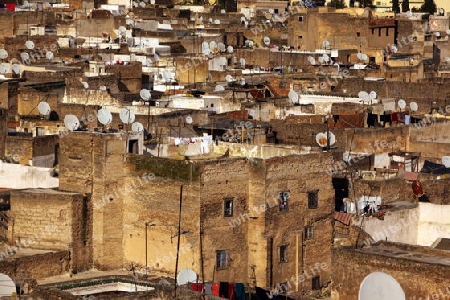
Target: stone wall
{"type": "Point", "coordinates": [40, 150]}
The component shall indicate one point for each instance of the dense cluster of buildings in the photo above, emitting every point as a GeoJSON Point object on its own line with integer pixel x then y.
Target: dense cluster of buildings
{"type": "Point", "coordinates": [238, 150]}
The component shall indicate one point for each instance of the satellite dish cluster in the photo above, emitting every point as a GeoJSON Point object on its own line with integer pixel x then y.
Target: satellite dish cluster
{"type": "Point", "coordinates": [367, 98]}
{"type": "Point", "coordinates": [214, 48]}
{"type": "Point", "coordinates": [413, 105]}
{"type": "Point", "coordinates": [6, 67]}
{"type": "Point", "coordinates": [362, 56]}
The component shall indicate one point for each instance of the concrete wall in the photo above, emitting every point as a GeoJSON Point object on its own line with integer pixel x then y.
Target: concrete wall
{"type": "Point", "coordinates": [433, 223]}
{"type": "Point", "coordinates": [17, 176]}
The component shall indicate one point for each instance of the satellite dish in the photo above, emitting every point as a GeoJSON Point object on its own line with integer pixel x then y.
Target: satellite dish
{"type": "Point", "coordinates": [3, 54]}
{"type": "Point", "coordinates": [71, 122]}
{"type": "Point", "coordinates": [448, 31]}
{"type": "Point", "coordinates": [242, 61]}
{"type": "Point", "coordinates": [364, 96]}
{"type": "Point", "coordinates": [446, 161]}
{"type": "Point", "coordinates": [251, 44]}
{"type": "Point", "coordinates": [242, 19]}
{"type": "Point", "coordinates": [49, 55]}
{"type": "Point", "coordinates": [217, 22]}
{"type": "Point", "coordinates": [447, 59]}
{"type": "Point", "coordinates": [4, 68]}
{"type": "Point", "coordinates": [437, 33]}
{"type": "Point", "coordinates": [145, 94]}
{"type": "Point", "coordinates": [24, 56]}
{"type": "Point", "coordinates": [137, 127]}
{"type": "Point", "coordinates": [221, 47]}
{"type": "Point", "coordinates": [189, 120]}
{"type": "Point", "coordinates": [311, 60]}
{"type": "Point", "coordinates": [293, 96]}
{"type": "Point", "coordinates": [167, 76]}
{"type": "Point", "coordinates": [104, 116]}
{"type": "Point", "coordinates": [219, 88]}
{"type": "Point", "coordinates": [413, 106]}
{"type": "Point", "coordinates": [409, 14]}
{"type": "Point", "coordinates": [142, 4]}
{"type": "Point", "coordinates": [127, 116]}
{"type": "Point", "coordinates": [85, 84]}
{"type": "Point", "coordinates": [29, 44]}
{"type": "Point", "coordinates": [212, 45]}
{"type": "Point", "coordinates": [364, 57]}
{"type": "Point", "coordinates": [394, 48]}
{"type": "Point", "coordinates": [186, 276]}
{"type": "Point", "coordinates": [148, 62]}
{"type": "Point", "coordinates": [229, 78]}
{"type": "Point", "coordinates": [359, 56]}
{"type": "Point", "coordinates": [223, 11]}
{"type": "Point", "coordinates": [206, 51]}
{"type": "Point", "coordinates": [373, 95]}
{"type": "Point", "coordinates": [152, 2]}
{"type": "Point", "coordinates": [205, 45]}
{"type": "Point", "coordinates": [16, 68]}
{"type": "Point", "coordinates": [401, 103]}
{"type": "Point", "coordinates": [8, 287]}
{"type": "Point", "coordinates": [266, 41]}
{"type": "Point", "coordinates": [210, 20]}
{"type": "Point", "coordinates": [322, 139]}
{"type": "Point", "coordinates": [230, 49]}
{"type": "Point", "coordinates": [271, 11]}
{"type": "Point", "coordinates": [102, 88]}
{"type": "Point", "coordinates": [122, 29]}
{"type": "Point", "coordinates": [242, 81]}
{"type": "Point", "coordinates": [321, 60]}
{"type": "Point", "coordinates": [326, 58]}
{"type": "Point", "coordinates": [326, 44]}
{"type": "Point", "coordinates": [156, 57]}
{"type": "Point", "coordinates": [44, 108]}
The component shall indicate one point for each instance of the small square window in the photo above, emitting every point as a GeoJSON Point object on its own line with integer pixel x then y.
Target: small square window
{"type": "Point", "coordinates": [309, 232]}
{"type": "Point", "coordinates": [283, 198]}
{"type": "Point", "coordinates": [275, 10]}
{"type": "Point", "coordinates": [358, 33]}
{"type": "Point", "coordinates": [300, 19]}
{"type": "Point", "coordinates": [315, 281]}
{"type": "Point", "coordinates": [313, 199]}
{"type": "Point", "coordinates": [300, 36]}
{"type": "Point", "coordinates": [221, 259]}
{"type": "Point", "coordinates": [283, 253]}
{"type": "Point", "coordinates": [228, 207]}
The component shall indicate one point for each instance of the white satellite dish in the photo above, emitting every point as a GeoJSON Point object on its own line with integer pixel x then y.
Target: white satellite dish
{"type": "Point", "coordinates": [135, 4]}
{"type": "Point", "coordinates": [127, 116]}
{"type": "Point", "coordinates": [437, 33]}
{"type": "Point", "coordinates": [401, 103]}
{"type": "Point", "coordinates": [16, 68]}
{"type": "Point", "coordinates": [8, 287]}
{"type": "Point", "coordinates": [242, 19]}
{"type": "Point", "coordinates": [242, 81]}
{"type": "Point", "coordinates": [137, 127]}
{"type": "Point", "coordinates": [271, 11]}
{"type": "Point", "coordinates": [229, 78]}
{"type": "Point", "coordinates": [326, 58]}
{"type": "Point", "coordinates": [71, 122]}
{"type": "Point", "coordinates": [364, 57]}
{"type": "Point", "coordinates": [266, 41]}
{"type": "Point", "coordinates": [447, 59]}
{"type": "Point", "coordinates": [167, 76]}
{"type": "Point", "coordinates": [145, 94]}
{"type": "Point", "coordinates": [152, 2]}
{"type": "Point", "coordinates": [44, 108]}
{"type": "Point", "coordinates": [189, 120]}
{"type": "Point", "coordinates": [142, 4]}
{"type": "Point", "coordinates": [223, 11]}
{"type": "Point", "coordinates": [3, 54]}
{"type": "Point", "coordinates": [148, 62]}
{"type": "Point", "coordinates": [24, 56]}
{"type": "Point", "coordinates": [85, 84]}
{"type": "Point", "coordinates": [359, 55]}
{"type": "Point", "coordinates": [102, 88]}
{"type": "Point", "coordinates": [311, 60]}
{"type": "Point", "coordinates": [394, 48]}
{"type": "Point", "coordinates": [221, 47]}
{"type": "Point", "coordinates": [186, 276]}
{"type": "Point", "coordinates": [49, 55]}
{"type": "Point", "coordinates": [210, 20]}
{"type": "Point", "coordinates": [205, 45]}
{"type": "Point", "coordinates": [206, 51]}
{"type": "Point", "coordinates": [29, 44]}
{"type": "Point", "coordinates": [373, 95]}
{"type": "Point", "coordinates": [293, 96]}
{"type": "Point", "coordinates": [219, 88]}
{"type": "Point", "coordinates": [322, 139]}
{"type": "Point", "coordinates": [242, 61]}
{"type": "Point", "coordinates": [321, 60]}
{"type": "Point", "coordinates": [104, 116]}
{"type": "Point", "coordinates": [122, 29]}
{"type": "Point", "coordinates": [156, 57]}
{"type": "Point", "coordinates": [4, 68]}
{"type": "Point", "coordinates": [446, 161]}
{"type": "Point", "coordinates": [326, 44]}
{"type": "Point", "coordinates": [409, 14]}
{"type": "Point", "coordinates": [230, 49]}
{"type": "Point", "coordinates": [251, 44]}
{"type": "Point", "coordinates": [217, 22]}
{"type": "Point", "coordinates": [212, 45]}
{"type": "Point", "coordinates": [413, 106]}
{"type": "Point", "coordinates": [364, 96]}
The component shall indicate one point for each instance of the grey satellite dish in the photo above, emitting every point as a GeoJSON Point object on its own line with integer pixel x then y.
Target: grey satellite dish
{"type": "Point", "coordinates": [326, 58]}
{"type": "Point", "coordinates": [212, 46]}
{"type": "Point", "coordinates": [266, 41]}
{"type": "Point", "coordinates": [311, 60]}
{"type": "Point", "coordinates": [321, 60]}
{"type": "Point", "coordinates": [148, 62]}
{"type": "Point", "coordinates": [137, 127]}
{"type": "Point", "coordinates": [229, 78]}
{"type": "Point", "coordinates": [189, 120]}
{"type": "Point", "coordinates": [359, 56]}
{"type": "Point", "coordinates": [104, 116]}
{"type": "Point", "coordinates": [206, 51]}
{"type": "Point", "coordinates": [71, 122]}
{"type": "Point", "coordinates": [230, 49]}
{"type": "Point", "coordinates": [326, 44]}
{"type": "Point", "coordinates": [364, 96]}
{"type": "Point", "coordinates": [24, 56]}
{"type": "Point", "coordinates": [409, 14]}
{"type": "Point", "coordinates": [186, 276]}
{"type": "Point", "coordinates": [127, 116]}
{"type": "Point", "coordinates": [142, 4]}
{"type": "Point", "coordinates": [29, 44]}
{"type": "Point", "coordinates": [44, 108]}
{"type": "Point", "coordinates": [16, 68]}
{"type": "Point", "coordinates": [251, 44]}
{"type": "Point", "coordinates": [210, 20]}
{"type": "Point", "coordinates": [49, 55]}
{"type": "Point", "coordinates": [217, 22]}
{"type": "Point", "coordinates": [219, 88]}
{"type": "Point", "coordinates": [4, 68]}
{"type": "Point", "coordinates": [271, 11]}
{"type": "Point", "coordinates": [242, 81]}
{"type": "Point", "coordinates": [8, 287]}
{"type": "Point", "coordinates": [364, 57]}
{"type": "Point", "coordinates": [413, 106]}
{"type": "Point", "coordinates": [145, 94]}
{"type": "Point", "coordinates": [373, 95]}
{"type": "Point", "coordinates": [242, 61]}
{"type": "Point", "coordinates": [446, 161]}
{"type": "Point", "coordinates": [401, 103]}
{"type": "Point", "coordinates": [221, 47]}
{"type": "Point", "coordinates": [3, 54]}
{"type": "Point", "coordinates": [156, 57]}
{"type": "Point", "coordinates": [122, 29]}
{"type": "Point", "coordinates": [293, 96]}
{"type": "Point", "coordinates": [205, 45]}
{"type": "Point", "coordinates": [135, 4]}
{"type": "Point", "coordinates": [102, 88]}
{"type": "Point", "coordinates": [85, 84]}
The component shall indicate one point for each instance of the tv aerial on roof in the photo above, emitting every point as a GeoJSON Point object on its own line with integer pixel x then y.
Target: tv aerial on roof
{"type": "Point", "coordinates": [401, 103]}
{"type": "Point", "coordinates": [414, 106]}
{"type": "Point", "coordinates": [446, 161]}
{"type": "Point", "coordinates": [137, 127]}
{"type": "Point", "coordinates": [44, 108]}
{"type": "Point", "coordinates": [3, 54]}
{"type": "Point", "coordinates": [127, 116]}
{"type": "Point", "coordinates": [145, 94]}
{"type": "Point", "coordinates": [189, 120]}
{"type": "Point", "coordinates": [71, 122]}
{"type": "Point", "coordinates": [293, 96]}
{"type": "Point", "coordinates": [104, 116]}
{"type": "Point", "coordinates": [29, 44]}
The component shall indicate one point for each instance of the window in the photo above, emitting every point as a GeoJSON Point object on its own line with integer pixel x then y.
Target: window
{"type": "Point", "coordinates": [275, 10]}
{"type": "Point", "coordinates": [228, 207]}
{"type": "Point", "coordinates": [283, 253]}
{"type": "Point", "coordinates": [379, 31]}
{"type": "Point", "coordinates": [315, 281]}
{"type": "Point", "coordinates": [221, 259]}
{"type": "Point", "coordinates": [373, 31]}
{"type": "Point", "coordinates": [309, 232]}
{"type": "Point", "coordinates": [40, 131]}
{"type": "Point", "coordinates": [300, 19]}
{"type": "Point", "coordinates": [283, 198]}
{"type": "Point", "coordinates": [387, 31]}
{"type": "Point", "coordinates": [358, 33]}
{"type": "Point", "coordinates": [313, 199]}
{"type": "Point", "coordinates": [300, 36]}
